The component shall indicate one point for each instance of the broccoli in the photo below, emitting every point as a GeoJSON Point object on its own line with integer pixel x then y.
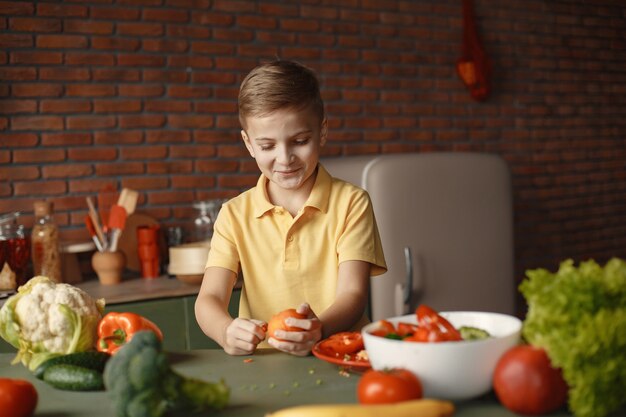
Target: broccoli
{"type": "Point", "coordinates": [141, 383]}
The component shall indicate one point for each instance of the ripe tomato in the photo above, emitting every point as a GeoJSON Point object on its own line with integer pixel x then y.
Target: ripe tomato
{"type": "Point", "coordinates": [18, 397]}
{"type": "Point", "coordinates": [388, 386]}
{"type": "Point", "coordinates": [526, 383]}
{"type": "Point", "coordinates": [343, 343]}
{"type": "Point", "coordinates": [277, 322]}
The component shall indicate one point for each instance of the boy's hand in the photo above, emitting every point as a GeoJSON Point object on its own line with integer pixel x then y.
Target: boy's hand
{"type": "Point", "coordinates": [299, 343]}
{"type": "Point", "coordinates": [243, 335]}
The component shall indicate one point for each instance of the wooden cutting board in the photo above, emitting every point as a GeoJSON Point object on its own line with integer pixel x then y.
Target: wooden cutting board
{"type": "Point", "coordinates": [128, 239]}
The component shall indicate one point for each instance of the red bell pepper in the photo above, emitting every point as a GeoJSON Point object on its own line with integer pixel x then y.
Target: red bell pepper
{"type": "Point", "coordinates": [117, 329]}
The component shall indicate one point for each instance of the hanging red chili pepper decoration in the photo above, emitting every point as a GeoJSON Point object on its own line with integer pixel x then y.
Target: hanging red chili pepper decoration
{"type": "Point", "coordinates": [473, 67]}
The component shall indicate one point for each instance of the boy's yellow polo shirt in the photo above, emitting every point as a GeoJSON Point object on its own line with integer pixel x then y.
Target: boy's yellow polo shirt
{"type": "Point", "coordinates": [285, 260]}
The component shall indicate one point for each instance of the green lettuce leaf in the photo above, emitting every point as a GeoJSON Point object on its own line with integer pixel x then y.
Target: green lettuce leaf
{"type": "Point", "coordinates": [578, 315]}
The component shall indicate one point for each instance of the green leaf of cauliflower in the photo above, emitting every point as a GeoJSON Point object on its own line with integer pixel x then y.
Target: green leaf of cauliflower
{"type": "Point", "coordinates": [46, 319]}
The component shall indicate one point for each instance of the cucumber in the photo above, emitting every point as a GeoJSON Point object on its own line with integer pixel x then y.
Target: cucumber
{"type": "Point", "coordinates": [90, 360]}
{"type": "Point", "coordinates": [73, 378]}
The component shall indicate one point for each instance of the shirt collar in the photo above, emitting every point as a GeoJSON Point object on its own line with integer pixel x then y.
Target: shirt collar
{"type": "Point", "coordinates": [318, 198]}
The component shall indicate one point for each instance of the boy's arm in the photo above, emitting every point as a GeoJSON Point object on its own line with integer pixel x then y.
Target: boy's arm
{"type": "Point", "coordinates": [236, 336]}
{"type": "Point", "coordinates": [352, 295]}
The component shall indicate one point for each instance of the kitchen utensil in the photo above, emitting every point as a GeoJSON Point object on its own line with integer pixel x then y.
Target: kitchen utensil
{"type": "Point", "coordinates": [128, 200]}
{"type": "Point", "coordinates": [448, 370]}
{"type": "Point", "coordinates": [92, 233]}
{"type": "Point", "coordinates": [117, 221]}
{"type": "Point", "coordinates": [95, 219]}
{"type": "Point", "coordinates": [188, 261]}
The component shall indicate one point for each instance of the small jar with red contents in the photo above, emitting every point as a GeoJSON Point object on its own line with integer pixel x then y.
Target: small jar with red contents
{"type": "Point", "coordinates": [14, 252]}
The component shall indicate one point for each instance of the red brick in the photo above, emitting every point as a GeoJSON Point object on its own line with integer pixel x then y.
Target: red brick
{"type": "Point", "coordinates": [117, 44]}
{"type": "Point", "coordinates": [195, 61]}
{"type": "Point", "coordinates": [256, 22]}
{"type": "Point", "coordinates": [136, 60]}
{"type": "Point", "coordinates": [140, 29]}
{"type": "Point", "coordinates": [17, 74]}
{"type": "Point", "coordinates": [169, 106]}
{"type": "Point", "coordinates": [212, 77]}
{"type": "Point", "coordinates": [188, 31]}
{"type": "Point", "coordinates": [34, 24]}
{"type": "Point", "coordinates": [192, 151]}
{"type": "Point", "coordinates": [18, 106]}
{"type": "Point", "coordinates": [233, 35]}
{"type": "Point", "coordinates": [232, 63]}
{"type": "Point", "coordinates": [89, 90]}
{"type": "Point", "coordinates": [189, 121]}
{"type": "Point", "coordinates": [115, 74]}
{"type": "Point", "coordinates": [210, 18]}
{"type": "Point", "coordinates": [91, 186]}
{"type": "Point", "coordinates": [257, 50]}
{"type": "Point", "coordinates": [215, 136]}
{"type": "Point", "coordinates": [66, 171]}
{"type": "Point", "coordinates": [61, 41]}
{"type": "Point", "coordinates": [165, 15]}
{"type": "Point", "coordinates": [167, 76]}
{"type": "Point", "coordinates": [239, 181]}
{"type": "Point", "coordinates": [124, 137]}
{"type": "Point", "coordinates": [11, 139]}
{"type": "Point", "coordinates": [144, 152]}
{"type": "Point", "coordinates": [88, 58]}
{"type": "Point", "coordinates": [176, 167]}
{"type": "Point", "coordinates": [65, 139]}
{"type": "Point", "coordinates": [237, 6]}
{"type": "Point", "coordinates": [37, 188]}
{"type": "Point", "coordinates": [217, 166]}
{"type": "Point", "coordinates": [114, 13]}
{"type": "Point", "coordinates": [141, 120]}
{"type": "Point", "coordinates": [188, 91]}
{"type": "Point", "coordinates": [116, 106]}
{"type": "Point", "coordinates": [143, 90]}
{"type": "Point", "coordinates": [119, 168]}
{"type": "Point", "coordinates": [92, 154]}
{"type": "Point", "coordinates": [169, 198]}
{"type": "Point", "coordinates": [162, 45]}
{"type": "Point", "coordinates": [192, 182]}
{"type": "Point", "coordinates": [35, 57]}
{"type": "Point", "coordinates": [227, 122]}
{"type": "Point", "coordinates": [61, 10]}
{"type": "Point", "coordinates": [286, 38]}
{"type": "Point", "coordinates": [90, 27]}
{"type": "Point", "coordinates": [300, 25]}
{"type": "Point", "coordinates": [216, 107]}
{"type": "Point", "coordinates": [64, 106]}
{"type": "Point", "coordinates": [168, 136]}
{"type": "Point", "coordinates": [16, 41]}
{"type": "Point", "coordinates": [16, 8]}
{"type": "Point", "coordinates": [147, 183]}
{"type": "Point", "coordinates": [38, 155]}
{"type": "Point", "coordinates": [63, 74]}
{"type": "Point", "coordinates": [270, 9]}
{"type": "Point", "coordinates": [232, 151]}
{"type": "Point", "coordinates": [36, 123]}
{"type": "Point", "coordinates": [212, 48]}
{"type": "Point", "coordinates": [18, 173]}
{"type": "Point", "coordinates": [90, 122]}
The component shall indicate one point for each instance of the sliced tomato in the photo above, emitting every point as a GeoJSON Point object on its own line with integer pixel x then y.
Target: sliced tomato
{"type": "Point", "coordinates": [344, 343]}
{"type": "Point", "coordinates": [405, 329]}
{"type": "Point", "coordinates": [383, 328]}
{"type": "Point", "coordinates": [442, 329]}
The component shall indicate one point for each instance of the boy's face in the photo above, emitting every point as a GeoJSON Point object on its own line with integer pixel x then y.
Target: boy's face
{"type": "Point", "coordinates": [286, 145]}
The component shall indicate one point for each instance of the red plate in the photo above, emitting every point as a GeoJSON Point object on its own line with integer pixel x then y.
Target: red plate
{"type": "Point", "coordinates": [356, 365]}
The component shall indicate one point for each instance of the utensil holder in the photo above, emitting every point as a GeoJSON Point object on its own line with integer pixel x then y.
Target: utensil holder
{"type": "Point", "coordinates": [109, 266]}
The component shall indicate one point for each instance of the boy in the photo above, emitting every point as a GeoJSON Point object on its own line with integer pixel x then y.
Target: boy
{"type": "Point", "coordinates": [300, 237]}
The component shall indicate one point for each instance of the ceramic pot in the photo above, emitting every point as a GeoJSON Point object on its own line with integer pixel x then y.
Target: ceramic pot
{"type": "Point", "coordinates": [109, 266]}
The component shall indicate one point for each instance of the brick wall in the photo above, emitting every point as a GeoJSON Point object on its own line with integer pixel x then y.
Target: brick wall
{"type": "Point", "coordinates": [142, 94]}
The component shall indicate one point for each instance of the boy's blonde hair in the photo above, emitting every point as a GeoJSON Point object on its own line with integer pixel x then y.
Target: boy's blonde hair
{"type": "Point", "coordinates": [279, 85]}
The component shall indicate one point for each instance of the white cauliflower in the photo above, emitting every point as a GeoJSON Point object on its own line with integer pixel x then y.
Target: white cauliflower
{"type": "Point", "coordinates": [46, 319]}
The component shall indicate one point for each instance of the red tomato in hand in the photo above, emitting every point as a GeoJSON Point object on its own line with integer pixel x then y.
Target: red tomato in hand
{"type": "Point", "coordinates": [526, 383]}
{"type": "Point", "coordinates": [388, 386]}
{"type": "Point", "coordinates": [18, 397]}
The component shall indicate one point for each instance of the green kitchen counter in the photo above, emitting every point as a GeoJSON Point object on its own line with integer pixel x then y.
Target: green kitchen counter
{"type": "Point", "coordinates": [264, 382]}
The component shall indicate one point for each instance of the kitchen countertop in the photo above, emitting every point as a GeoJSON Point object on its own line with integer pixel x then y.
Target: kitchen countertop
{"type": "Point", "coordinates": [272, 380]}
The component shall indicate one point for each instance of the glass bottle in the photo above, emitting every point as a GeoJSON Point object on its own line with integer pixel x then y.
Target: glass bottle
{"type": "Point", "coordinates": [203, 224]}
{"type": "Point", "coordinates": [45, 243]}
{"type": "Point", "coordinates": [14, 252]}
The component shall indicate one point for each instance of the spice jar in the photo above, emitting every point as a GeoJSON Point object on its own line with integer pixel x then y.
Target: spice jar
{"type": "Point", "coordinates": [14, 252]}
{"type": "Point", "coordinates": [45, 242]}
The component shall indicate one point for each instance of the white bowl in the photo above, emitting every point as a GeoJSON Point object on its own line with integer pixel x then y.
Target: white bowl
{"type": "Point", "coordinates": [448, 370]}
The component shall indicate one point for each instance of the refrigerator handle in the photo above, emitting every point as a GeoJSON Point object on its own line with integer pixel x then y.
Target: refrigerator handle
{"type": "Point", "coordinates": [403, 293]}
